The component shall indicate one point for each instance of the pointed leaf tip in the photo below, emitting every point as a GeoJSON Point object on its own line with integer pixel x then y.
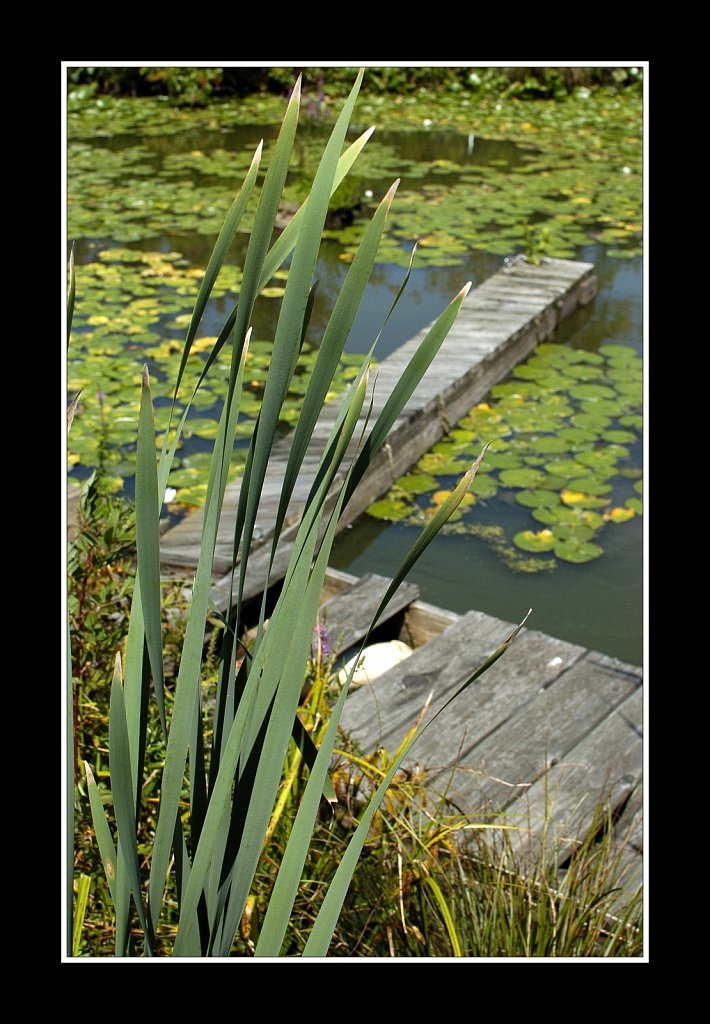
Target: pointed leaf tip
{"type": "Point", "coordinates": [118, 668]}
{"type": "Point", "coordinates": [465, 290]}
{"type": "Point", "coordinates": [259, 149]}
{"type": "Point", "coordinates": [91, 781]}
{"type": "Point", "coordinates": [389, 195]}
{"type": "Point", "coordinates": [146, 376]}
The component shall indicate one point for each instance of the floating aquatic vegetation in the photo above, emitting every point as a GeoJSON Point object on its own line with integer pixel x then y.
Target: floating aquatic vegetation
{"type": "Point", "coordinates": [132, 307]}
{"type": "Point", "coordinates": [575, 481]}
{"type": "Point", "coordinates": [573, 169]}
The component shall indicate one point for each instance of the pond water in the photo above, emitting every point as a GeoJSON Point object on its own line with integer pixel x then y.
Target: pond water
{"type": "Point", "coordinates": [145, 210]}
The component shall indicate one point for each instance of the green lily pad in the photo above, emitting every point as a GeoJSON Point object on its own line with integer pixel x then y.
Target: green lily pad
{"type": "Point", "coordinates": [567, 468]}
{"type": "Point", "coordinates": [390, 509]}
{"type": "Point", "coordinates": [502, 460]}
{"type": "Point", "coordinates": [599, 459]}
{"type": "Point", "coordinates": [575, 518]}
{"type": "Point", "coordinates": [592, 391]}
{"type": "Point", "coordinates": [578, 552]}
{"type": "Point", "coordinates": [577, 532]}
{"type": "Point", "coordinates": [619, 436]}
{"type": "Point", "coordinates": [604, 407]}
{"type": "Point", "coordinates": [619, 515]}
{"type": "Point", "coordinates": [549, 444]}
{"type": "Point", "coordinates": [194, 495]}
{"type": "Point", "coordinates": [537, 499]}
{"type": "Point", "coordinates": [577, 437]}
{"type": "Point", "coordinates": [578, 499]}
{"type": "Point", "coordinates": [185, 477]}
{"type": "Point", "coordinates": [618, 351]}
{"type": "Point", "coordinates": [417, 483]}
{"type": "Point", "coordinates": [544, 540]}
{"type": "Point", "coordinates": [517, 389]}
{"type": "Point", "coordinates": [635, 504]}
{"type": "Point", "coordinates": [520, 477]}
{"type": "Point", "coordinates": [638, 486]}
{"type": "Point", "coordinates": [633, 420]}
{"type": "Point", "coordinates": [484, 485]}
{"type": "Point", "coordinates": [589, 485]}
{"type": "Point", "coordinates": [592, 421]}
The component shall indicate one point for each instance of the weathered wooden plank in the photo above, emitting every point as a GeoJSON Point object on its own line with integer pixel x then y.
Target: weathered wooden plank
{"type": "Point", "coordinates": [381, 714]}
{"type": "Point", "coordinates": [501, 768]}
{"type": "Point", "coordinates": [561, 806]}
{"type": "Point", "coordinates": [347, 616]}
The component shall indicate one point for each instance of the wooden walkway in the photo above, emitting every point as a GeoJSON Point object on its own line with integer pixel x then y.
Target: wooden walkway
{"type": "Point", "coordinates": [499, 324]}
{"type": "Point", "coordinates": [545, 733]}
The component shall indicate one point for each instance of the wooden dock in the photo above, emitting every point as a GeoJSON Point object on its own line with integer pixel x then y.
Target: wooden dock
{"type": "Point", "coordinates": [546, 733]}
{"type": "Point", "coordinates": [499, 324]}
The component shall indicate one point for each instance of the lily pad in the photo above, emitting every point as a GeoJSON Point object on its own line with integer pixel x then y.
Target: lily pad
{"type": "Point", "coordinates": [537, 498]}
{"type": "Point", "coordinates": [592, 391]}
{"type": "Point", "coordinates": [550, 444]}
{"type": "Point", "coordinates": [590, 485]}
{"type": "Point", "coordinates": [502, 460]}
{"type": "Point", "coordinates": [619, 436]}
{"type": "Point", "coordinates": [417, 483]}
{"type": "Point", "coordinates": [578, 552]}
{"type": "Point", "coordinates": [577, 532]}
{"type": "Point", "coordinates": [577, 436]}
{"type": "Point", "coordinates": [543, 540]}
{"type": "Point", "coordinates": [520, 477]}
{"type": "Point", "coordinates": [389, 508]}
{"type": "Point", "coordinates": [567, 468]}
{"type": "Point", "coordinates": [619, 515]}
{"type": "Point", "coordinates": [635, 504]}
{"type": "Point", "coordinates": [633, 420]}
{"type": "Point", "coordinates": [592, 421]}
{"type": "Point", "coordinates": [610, 350]}
{"type": "Point", "coordinates": [578, 499]}
{"type": "Point", "coordinates": [484, 485]}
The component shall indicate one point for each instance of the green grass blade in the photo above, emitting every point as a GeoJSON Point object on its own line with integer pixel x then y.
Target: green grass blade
{"type": "Point", "coordinates": [445, 912]}
{"type": "Point", "coordinates": [122, 789]}
{"type": "Point", "coordinates": [104, 840]}
{"type": "Point", "coordinates": [148, 531]}
{"type": "Point", "coordinates": [219, 253]}
{"type": "Point", "coordinates": [286, 241]}
{"type": "Point", "coordinates": [273, 659]}
{"type": "Point", "coordinates": [295, 622]}
{"type": "Point", "coordinates": [330, 350]}
{"type": "Point", "coordinates": [182, 736]}
{"type": "Point", "coordinates": [291, 315]}
{"type": "Point", "coordinates": [72, 410]}
{"type": "Point", "coordinates": [309, 752]}
{"type": "Point", "coordinates": [82, 899]}
{"type": "Point", "coordinates": [282, 897]}
{"type": "Point", "coordinates": [71, 291]}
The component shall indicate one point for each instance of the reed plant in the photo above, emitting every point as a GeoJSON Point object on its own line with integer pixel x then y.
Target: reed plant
{"type": "Point", "coordinates": [183, 885]}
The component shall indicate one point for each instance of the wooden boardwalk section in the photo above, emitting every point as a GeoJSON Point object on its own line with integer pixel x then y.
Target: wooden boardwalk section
{"type": "Point", "coordinates": [549, 730]}
{"type": "Point", "coordinates": [499, 324]}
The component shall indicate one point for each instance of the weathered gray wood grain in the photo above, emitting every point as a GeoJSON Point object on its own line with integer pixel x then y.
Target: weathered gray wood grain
{"type": "Point", "coordinates": [501, 768]}
{"type": "Point", "coordinates": [562, 804]}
